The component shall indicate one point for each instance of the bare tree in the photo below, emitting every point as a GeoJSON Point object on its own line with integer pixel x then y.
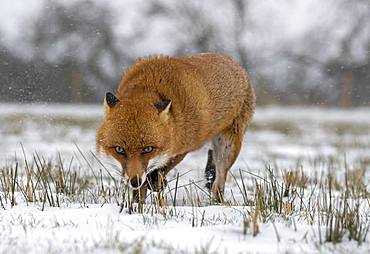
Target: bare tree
{"type": "Point", "coordinates": [79, 38]}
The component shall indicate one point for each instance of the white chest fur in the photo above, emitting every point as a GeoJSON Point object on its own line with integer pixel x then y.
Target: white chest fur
{"type": "Point", "coordinates": [157, 162]}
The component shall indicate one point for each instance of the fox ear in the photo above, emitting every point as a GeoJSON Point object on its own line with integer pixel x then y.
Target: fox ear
{"type": "Point", "coordinates": [164, 109]}
{"type": "Point", "coordinates": [110, 101]}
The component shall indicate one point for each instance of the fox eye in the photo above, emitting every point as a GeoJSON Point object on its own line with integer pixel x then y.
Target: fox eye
{"type": "Point", "coordinates": [147, 149]}
{"type": "Point", "coordinates": [119, 150]}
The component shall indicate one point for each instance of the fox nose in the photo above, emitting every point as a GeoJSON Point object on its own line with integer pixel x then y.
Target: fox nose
{"type": "Point", "coordinates": [135, 182]}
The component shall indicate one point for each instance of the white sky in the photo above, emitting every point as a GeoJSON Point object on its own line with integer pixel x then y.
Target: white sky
{"type": "Point", "coordinates": [14, 12]}
{"type": "Point", "coordinates": [292, 17]}
{"type": "Point", "coordinates": [278, 23]}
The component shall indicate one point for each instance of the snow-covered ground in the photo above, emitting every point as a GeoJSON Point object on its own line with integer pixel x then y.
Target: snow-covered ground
{"type": "Point", "coordinates": [96, 229]}
{"type": "Point", "coordinates": [311, 140]}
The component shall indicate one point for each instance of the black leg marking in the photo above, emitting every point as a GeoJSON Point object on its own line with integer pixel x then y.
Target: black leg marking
{"type": "Point", "coordinates": [210, 171]}
{"type": "Point", "coordinates": [156, 181]}
{"type": "Point", "coordinates": [139, 195]}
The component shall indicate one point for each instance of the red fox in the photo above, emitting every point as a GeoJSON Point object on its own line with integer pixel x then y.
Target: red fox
{"type": "Point", "coordinates": [166, 107]}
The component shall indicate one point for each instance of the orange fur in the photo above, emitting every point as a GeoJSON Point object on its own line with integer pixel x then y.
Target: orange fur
{"type": "Point", "coordinates": [211, 100]}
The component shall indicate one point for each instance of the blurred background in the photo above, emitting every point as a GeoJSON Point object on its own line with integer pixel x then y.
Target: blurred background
{"type": "Point", "coordinates": [297, 52]}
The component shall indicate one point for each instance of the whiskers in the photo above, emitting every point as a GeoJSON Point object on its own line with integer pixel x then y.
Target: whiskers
{"type": "Point", "coordinates": [110, 165]}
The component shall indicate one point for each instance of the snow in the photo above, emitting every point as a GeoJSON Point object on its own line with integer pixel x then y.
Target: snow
{"type": "Point", "coordinates": [100, 228]}
{"type": "Point", "coordinates": [96, 229]}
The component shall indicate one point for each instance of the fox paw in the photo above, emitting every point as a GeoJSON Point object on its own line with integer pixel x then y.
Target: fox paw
{"type": "Point", "coordinates": [156, 181]}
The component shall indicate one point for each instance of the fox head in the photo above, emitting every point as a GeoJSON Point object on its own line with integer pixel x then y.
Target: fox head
{"type": "Point", "coordinates": [136, 133]}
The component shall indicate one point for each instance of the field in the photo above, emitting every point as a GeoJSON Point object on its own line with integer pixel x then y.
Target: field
{"type": "Point", "coordinates": [300, 185]}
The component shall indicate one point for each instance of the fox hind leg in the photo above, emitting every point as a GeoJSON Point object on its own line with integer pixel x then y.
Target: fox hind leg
{"type": "Point", "coordinates": [227, 145]}
{"type": "Point", "coordinates": [226, 149]}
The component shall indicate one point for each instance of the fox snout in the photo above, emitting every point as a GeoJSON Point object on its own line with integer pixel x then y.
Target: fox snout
{"type": "Point", "coordinates": [135, 173]}
{"type": "Point", "coordinates": [136, 182]}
